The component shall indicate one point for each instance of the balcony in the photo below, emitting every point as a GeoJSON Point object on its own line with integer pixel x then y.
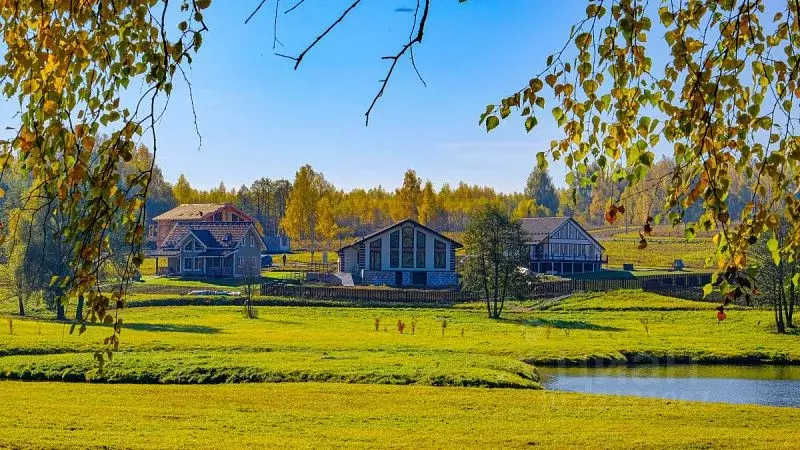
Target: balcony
{"type": "Point", "coordinates": [602, 259]}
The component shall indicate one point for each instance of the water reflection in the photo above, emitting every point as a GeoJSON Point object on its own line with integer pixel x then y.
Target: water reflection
{"type": "Point", "coordinates": [762, 385]}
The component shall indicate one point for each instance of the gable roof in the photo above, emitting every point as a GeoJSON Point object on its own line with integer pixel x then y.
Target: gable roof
{"type": "Point", "coordinates": [198, 211]}
{"type": "Point", "coordinates": [455, 244]}
{"type": "Point", "coordinates": [190, 211]}
{"type": "Point", "coordinates": [540, 228]}
{"type": "Point", "coordinates": [214, 235]}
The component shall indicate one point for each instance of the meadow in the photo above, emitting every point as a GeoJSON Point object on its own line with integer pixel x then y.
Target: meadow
{"type": "Point", "coordinates": [438, 346]}
{"type": "Point", "coordinates": [338, 375]}
{"type": "Point", "coordinates": [301, 415]}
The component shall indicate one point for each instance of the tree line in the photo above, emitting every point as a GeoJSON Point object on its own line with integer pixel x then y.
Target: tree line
{"type": "Point", "coordinates": [313, 211]}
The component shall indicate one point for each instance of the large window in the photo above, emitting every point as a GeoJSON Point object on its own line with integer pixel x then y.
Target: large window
{"type": "Point", "coordinates": [420, 250]}
{"type": "Point", "coordinates": [187, 264]}
{"type": "Point", "coordinates": [189, 246]}
{"type": "Point", "coordinates": [408, 248]}
{"type": "Point", "coordinates": [375, 255]}
{"type": "Point", "coordinates": [394, 250]}
{"type": "Point", "coordinates": [439, 254]}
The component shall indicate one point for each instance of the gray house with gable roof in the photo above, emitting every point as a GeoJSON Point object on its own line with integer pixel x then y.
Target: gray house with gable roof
{"type": "Point", "coordinates": [406, 253]}
{"type": "Point", "coordinates": [561, 245]}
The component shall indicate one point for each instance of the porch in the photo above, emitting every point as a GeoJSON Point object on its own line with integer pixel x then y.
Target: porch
{"type": "Point", "coordinates": [567, 264]}
{"type": "Point", "coordinates": [198, 266]}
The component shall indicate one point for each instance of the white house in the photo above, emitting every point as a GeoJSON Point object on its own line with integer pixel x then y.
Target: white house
{"type": "Point", "coordinates": [561, 245]}
{"type": "Point", "coordinates": [404, 254]}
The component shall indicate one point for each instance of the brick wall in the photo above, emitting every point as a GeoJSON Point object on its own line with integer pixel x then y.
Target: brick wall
{"type": "Point", "coordinates": [378, 278]}
{"type": "Point", "coordinates": [387, 278]}
{"type": "Point", "coordinates": [442, 279]}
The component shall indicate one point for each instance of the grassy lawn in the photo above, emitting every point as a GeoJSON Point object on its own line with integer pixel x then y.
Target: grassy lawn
{"type": "Point", "coordinates": [381, 388]}
{"type": "Point", "coordinates": [619, 274]}
{"type": "Point", "coordinates": [46, 415]}
{"type": "Point", "coordinates": [197, 344]}
{"type": "Point", "coordinates": [304, 257]}
{"type": "Point", "coordinates": [660, 253]}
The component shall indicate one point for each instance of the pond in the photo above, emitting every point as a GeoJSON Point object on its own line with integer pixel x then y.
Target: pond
{"type": "Point", "coordinates": [760, 385]}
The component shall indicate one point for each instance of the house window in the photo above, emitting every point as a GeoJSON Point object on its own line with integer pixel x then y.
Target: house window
{"type": "Point", "coordinates": [394, 250]}
{"type": "Point", "coordinates": [189, 246]}
{"type": "Point", "coordinates": [408, 248]}
{"type": "Point", "coordinates": [218, 217]}
{"type": "Point", "coordinates": [375, 254]}
{"type": "Point", "coordinates": [187, 264]}
{"type": "Point", "coordinates": [234, 218]}
{"type": "Point", "coordinates": [439, 254]}
{"type": "Point", "coordinates": [420, 250]}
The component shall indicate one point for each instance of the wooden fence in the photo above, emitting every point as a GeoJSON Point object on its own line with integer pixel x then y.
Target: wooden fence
{"type": "Point", "coordinates": [547, 289]}
{"type": "Point", "coordinates": [647, 282]}
{"type": "Point", "coordinates": [365, 294]}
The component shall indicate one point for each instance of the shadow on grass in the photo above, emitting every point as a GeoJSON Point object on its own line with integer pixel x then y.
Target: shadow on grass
{"type": "Point", "coordinates": [172, 328]}
{"type": "Point", "coordinates": [563, 324]}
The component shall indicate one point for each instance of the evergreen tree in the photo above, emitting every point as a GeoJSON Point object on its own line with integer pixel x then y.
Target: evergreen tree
{"type": "Point", "coordinates": [540, 187]}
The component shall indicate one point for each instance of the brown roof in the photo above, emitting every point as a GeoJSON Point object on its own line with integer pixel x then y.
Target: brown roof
{"type": "Point", "coordinates": [540, 228]}
{"type": "Point", "coordinates": [190, 211]}
{"type": "Point", "coordinates": [214, 235]}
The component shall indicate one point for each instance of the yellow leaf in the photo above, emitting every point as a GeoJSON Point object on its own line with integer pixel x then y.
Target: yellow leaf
{"type": "Point", "coordinates": [49, 107]}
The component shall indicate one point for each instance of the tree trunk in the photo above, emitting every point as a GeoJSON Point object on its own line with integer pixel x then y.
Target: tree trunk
{"type": "Point", "coordinates": [780, 326]}
{"type": "Point", "coordinates": [788, 305]}
{"type": "Point", "coordinates": [496, 257]}
{"type": "Point", "coordinates": [21, 300]}
{"type": "Point", "coordinates": [485, 278]}
{"type": "Point", "coordinates": [60, 312]}
{"type": "Point", "coordinates": [79, 309]}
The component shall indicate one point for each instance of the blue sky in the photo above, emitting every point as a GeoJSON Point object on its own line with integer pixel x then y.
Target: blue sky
{"type": "Point", "coordinates": [258, 117]}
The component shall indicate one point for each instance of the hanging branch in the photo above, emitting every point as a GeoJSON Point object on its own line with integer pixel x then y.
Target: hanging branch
{"type": "Point", "coordinates": [298, 59]}
{"type": "Point", "coordinates": [254, 11]}
{"type": "Point", "coordinates": [394, 58]}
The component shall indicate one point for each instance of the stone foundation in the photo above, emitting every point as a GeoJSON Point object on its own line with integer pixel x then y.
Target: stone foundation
{"type": "Point", "coordinates": [442, 279]}
{"type": "Point", "coordinates": [377, 278]}
{"type": "Point", "coordinates": [387, 278]}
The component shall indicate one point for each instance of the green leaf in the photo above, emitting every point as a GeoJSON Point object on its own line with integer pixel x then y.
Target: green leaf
{"type": "Point", "coordinates": [491, 123]}
{"type": "Point", "coordinates": [772, 246]}
{"type": "Point", "coordinates": [707, 289]}
{"type": "Point", "coordinates": [530, 122]}
{"type": "Point", "coordinates": [541, 161]}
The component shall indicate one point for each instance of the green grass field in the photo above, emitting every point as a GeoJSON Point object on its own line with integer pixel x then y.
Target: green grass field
{"type": "Point", "coordinates": [665, 246]}
{"type": "Point", "coordinates": [313, 415]}
{"type": "Point", "coordinates": [659, 253]}
{"type": "Point", "coordinates": [198, 344]}
{"type": "Point", "coordinates": [354, 386]}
